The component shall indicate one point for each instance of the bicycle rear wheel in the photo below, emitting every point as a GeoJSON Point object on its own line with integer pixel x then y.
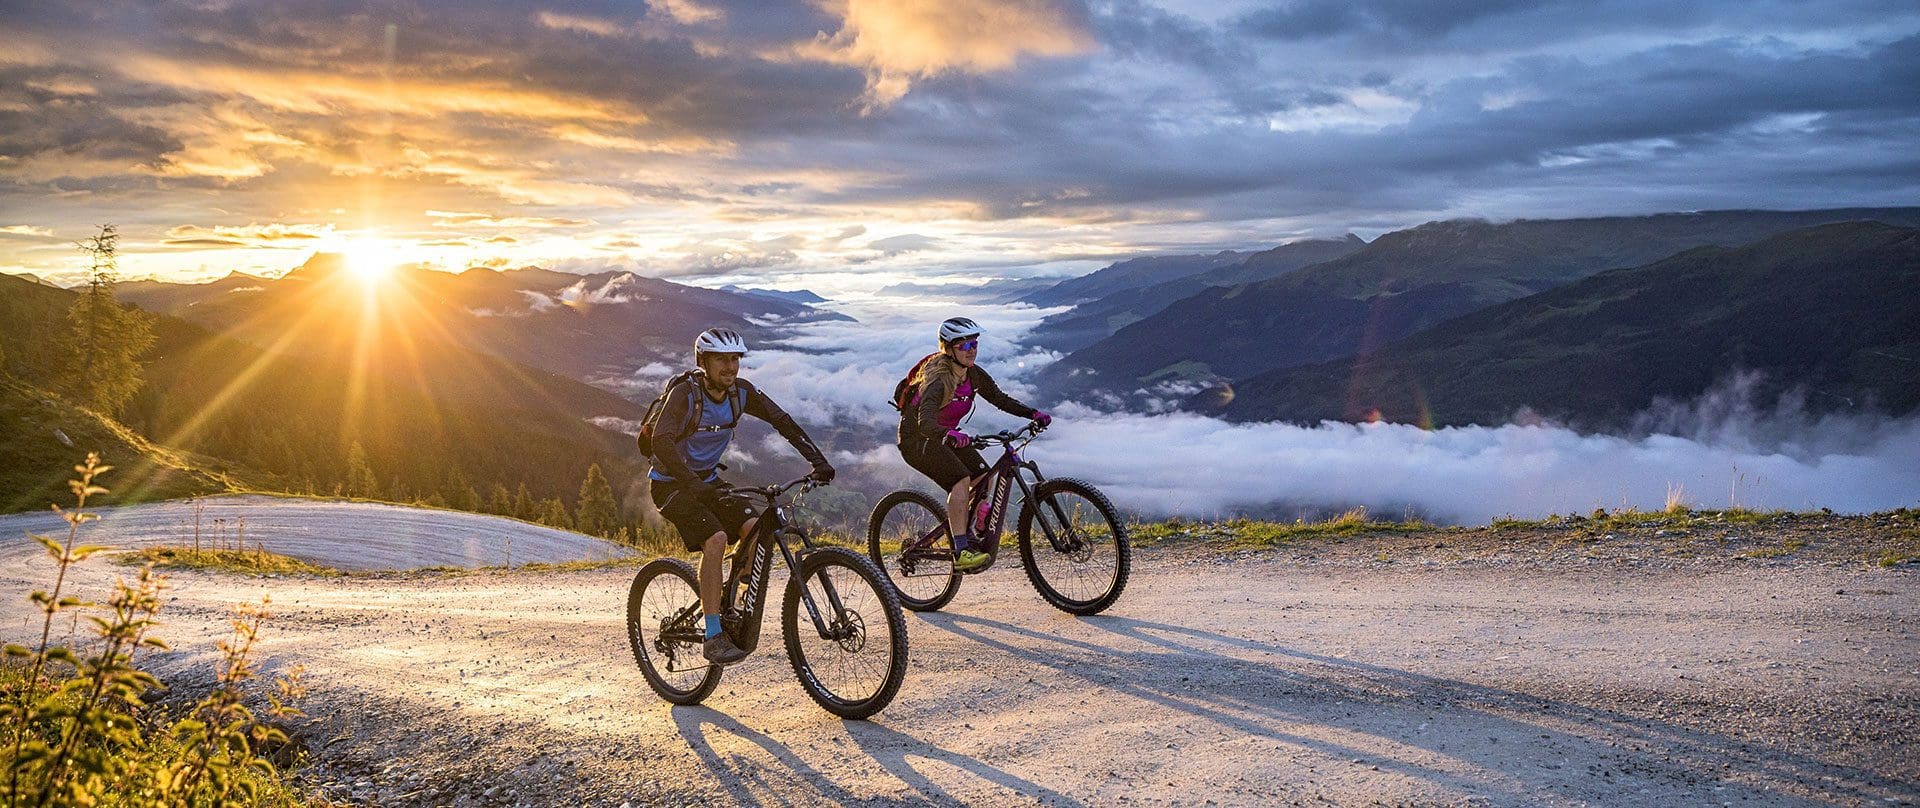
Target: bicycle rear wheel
{"type": "Point", "coordinates": [665, 629]}
{"type": "Point", "coordinates": [1073, 547]}
{"type": "Point", "coordinates": [853, 659]}
{"type": "Point", "coordinates": [908, 542]}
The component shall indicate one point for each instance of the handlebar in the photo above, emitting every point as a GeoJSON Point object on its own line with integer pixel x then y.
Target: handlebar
{"type": "Point", "coordinates": [1003, 437]}
{"type": "Point", "coordinates": [807, 483]}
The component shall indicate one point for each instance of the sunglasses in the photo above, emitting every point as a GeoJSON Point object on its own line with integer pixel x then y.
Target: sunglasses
{"type": "Point", "coordinates": [967, 346]}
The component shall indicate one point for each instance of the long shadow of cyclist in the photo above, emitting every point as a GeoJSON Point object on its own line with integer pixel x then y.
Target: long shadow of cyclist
{"type": "Point", "coordinates": [748, 783]}
{"type": "Point", "coordinates": [1701, 750]}
{"type": "Point", "coordinates": [896, 752]}
{"type": "Point", "coordinates": [1252, 696]}
{"type": "Point", "coordinates": [751, 784]}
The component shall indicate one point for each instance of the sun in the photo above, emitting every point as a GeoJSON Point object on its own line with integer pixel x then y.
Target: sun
{"type": "Point", "coordinates": [370, 260]}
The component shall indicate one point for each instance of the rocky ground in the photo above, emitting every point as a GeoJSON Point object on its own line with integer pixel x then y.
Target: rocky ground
{"type": "Point", "coordinates": [1744, 660]}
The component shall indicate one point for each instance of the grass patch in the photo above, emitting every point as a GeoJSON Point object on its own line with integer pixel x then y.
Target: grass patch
{"type": "Point", "coordinates": [1905, 543]}
{"type": "Point", "coordinates": [1147, 534]}
{"type": "Point", "coordinates": [1352, 523]}
{"type": "Point", "coordinates": [1785, 548]}
{"type": "Point", "coordinates": [580, 566]}
{"type": "Point", "coordinates": [244, 562]}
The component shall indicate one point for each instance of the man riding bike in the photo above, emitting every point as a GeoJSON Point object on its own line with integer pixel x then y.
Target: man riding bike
{"type": "Point", "coordinates": [687, 485]}
{"type": "Point", "coordinates": [930, 439]}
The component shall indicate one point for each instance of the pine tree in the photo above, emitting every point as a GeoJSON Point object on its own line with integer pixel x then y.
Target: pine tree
{"type": "Point", "coordinates": [107, 338]}
{"type": "Point", "coordinates": [360, 479]}
{"type": "Point", "coordinates": [597, 513]}
{"type": "Point", "coordinates": [524, 507]}
{"type": "Point", "coordinates": [554, 514]}
{"type": "Point", "coordinates": [499, 501]}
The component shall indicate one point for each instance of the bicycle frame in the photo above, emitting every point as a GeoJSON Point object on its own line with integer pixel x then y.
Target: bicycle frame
{"type": "Point", "coordinates": [1001, 477]}
{"type": "Point", "coordinates": [753, 556]}
{"type": "Point", "coordinates": [998, 483]}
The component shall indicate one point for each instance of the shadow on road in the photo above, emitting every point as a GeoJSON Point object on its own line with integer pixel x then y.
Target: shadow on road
{"type": "Point", "coordinates": [1286, 694]}
{"type": "Point", "coordinates": [896, 752]}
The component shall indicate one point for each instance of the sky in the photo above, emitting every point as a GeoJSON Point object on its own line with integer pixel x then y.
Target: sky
{"type": "Point", "coordinates": [853, 143]}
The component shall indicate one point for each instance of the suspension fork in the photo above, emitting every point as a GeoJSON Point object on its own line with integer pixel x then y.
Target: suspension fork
{"type": "Point", "coordinates": [1063, 544]}
{"type": "Point", "coordinates": [820, 623]}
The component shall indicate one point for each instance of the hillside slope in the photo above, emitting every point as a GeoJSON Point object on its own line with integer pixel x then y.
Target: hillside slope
{"type": "Point", "coordinates": [1401, 283]}
{"type": "Point", "coordinates": [45, 436]}
{"type": "Point", "coordinates": [1834, 310]}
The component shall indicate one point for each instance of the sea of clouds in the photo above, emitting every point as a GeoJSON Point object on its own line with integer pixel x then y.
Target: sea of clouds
{"type": "Point", "coordinates": [1716, 451]}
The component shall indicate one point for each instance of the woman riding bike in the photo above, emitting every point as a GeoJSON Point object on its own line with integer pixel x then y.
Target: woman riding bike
{"type": "Point", "coordinates": [930, 440]}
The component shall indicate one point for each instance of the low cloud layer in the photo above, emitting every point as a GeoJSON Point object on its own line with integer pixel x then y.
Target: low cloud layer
{"type": "Point", "coordinates": [1715, 452]}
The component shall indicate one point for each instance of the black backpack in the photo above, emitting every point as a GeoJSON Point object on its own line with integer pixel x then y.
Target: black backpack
{"type": "Point", "coordinates": [650, 424]}
{"type": "Point", "coordinates": [904, 389]}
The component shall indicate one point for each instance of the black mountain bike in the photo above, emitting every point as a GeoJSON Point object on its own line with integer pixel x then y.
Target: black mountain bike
{"type": "Point", "coordinates": [849, 650]}
{"type": "Point", "coordinates": [1074, 549]}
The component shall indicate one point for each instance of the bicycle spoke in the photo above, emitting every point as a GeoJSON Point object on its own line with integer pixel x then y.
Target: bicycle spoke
{"type": "Point", "coordinates": [852, 662]}
{"type": "Point", "coordinates": [1076, 548]}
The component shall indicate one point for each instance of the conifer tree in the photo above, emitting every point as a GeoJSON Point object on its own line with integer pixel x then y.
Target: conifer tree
{"type": "Point", "coordinates": [597, 514]}
{"type": "Point", "coordinates": [107, 338]}
{"type": "Point", "coordinates": [360, 479]}
{"type": "Point", "coordinates": [553, 513]}
{"type": "Point", "coordinates": [524, 507]}
{"type": "Point", "coordinates": [499, 501]}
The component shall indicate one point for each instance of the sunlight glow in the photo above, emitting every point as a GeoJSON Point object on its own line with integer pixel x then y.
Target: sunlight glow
{"type": "Point", "coordinates": [371, 260]}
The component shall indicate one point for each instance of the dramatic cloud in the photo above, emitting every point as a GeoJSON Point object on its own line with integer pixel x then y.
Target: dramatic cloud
{"type": "Point", "coordinates": [898, 41]}
{"type": "Point", "coordinates": [702, 136]}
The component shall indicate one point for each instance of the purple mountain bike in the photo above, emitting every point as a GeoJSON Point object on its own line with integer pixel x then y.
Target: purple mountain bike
{"type": "Point", "coordinates": [1072, 546]}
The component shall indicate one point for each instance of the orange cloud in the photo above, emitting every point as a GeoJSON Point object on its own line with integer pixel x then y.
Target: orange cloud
{"type": "Point", "coordinates": [327, 93]}
{"type": "Point", "coordinates": [276, 234]}
{"type": "Point", "coordinates": [898, 41]}
{"type": "Point", "coordinates": [450, 218]}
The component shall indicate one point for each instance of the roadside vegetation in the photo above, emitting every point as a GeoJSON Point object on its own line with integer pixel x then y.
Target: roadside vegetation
{"type": "Point", "coordinates": [82, 724]}
{"type": "Point", "coordinates": [1886, 539]}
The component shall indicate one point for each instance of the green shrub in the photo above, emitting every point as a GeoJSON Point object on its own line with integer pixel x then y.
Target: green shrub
{"type": "Point", "coordinates": [76, 727]}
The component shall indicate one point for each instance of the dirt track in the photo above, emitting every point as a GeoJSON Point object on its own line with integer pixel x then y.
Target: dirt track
{"type": "Point", "coordinates": [1255, 680]}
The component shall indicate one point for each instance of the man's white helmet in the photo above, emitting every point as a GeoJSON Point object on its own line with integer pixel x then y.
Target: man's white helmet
{"type": "Point", "coordinates": [719, 340]}
{"type": "Point", "coordinates": [958, 328]}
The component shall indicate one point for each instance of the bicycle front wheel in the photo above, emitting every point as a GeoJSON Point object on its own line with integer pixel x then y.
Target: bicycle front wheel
{"type": "Point", "coordinates": [1074, 549]}
{"type": "Point", "coordinates": [664, 627]}
{"type": "Point", "coordinates": [846, 635]}
{"type": "Point", "coordinates": [907, 540]}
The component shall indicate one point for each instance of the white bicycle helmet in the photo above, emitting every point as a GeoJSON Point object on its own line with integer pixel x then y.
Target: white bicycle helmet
{"type": "Point", "coordinates": [719, 340]}
{"type": "Point", "coordinates": [958, 328]}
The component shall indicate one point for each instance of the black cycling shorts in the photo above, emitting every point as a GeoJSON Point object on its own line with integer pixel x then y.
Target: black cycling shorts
{"type": "Point", "coordinates": [700, 517]}
{"type": "Point", "coordinates": [946, 465]}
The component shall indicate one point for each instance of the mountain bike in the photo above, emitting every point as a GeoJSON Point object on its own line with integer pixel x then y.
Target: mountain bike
{"type": "Point", "coordinates": [1072, 546]}
{"type": "Point", "coordinates": [849, 650]}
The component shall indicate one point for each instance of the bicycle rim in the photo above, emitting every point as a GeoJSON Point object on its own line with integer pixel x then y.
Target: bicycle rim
{"type": "Point", "coordinates": [855, 669]}
{"type": "Point", "coordinates": [659, 603]}
{"type": "Point", "coordinates": [920, 572]}
{"type": "Point", "coordinates": [1074, 547]}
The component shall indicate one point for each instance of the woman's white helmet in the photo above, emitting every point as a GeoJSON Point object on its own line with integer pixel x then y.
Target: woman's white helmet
{"type": "Point", "coordinates": [719, 340]}
{"type": "Point", "coordinates": [958, 328]}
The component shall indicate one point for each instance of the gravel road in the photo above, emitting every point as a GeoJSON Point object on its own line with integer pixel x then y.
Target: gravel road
{"type": "Point", "coordinates": [1245, 679]}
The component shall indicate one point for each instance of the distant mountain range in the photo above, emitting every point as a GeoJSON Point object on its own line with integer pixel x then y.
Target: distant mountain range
{"type": "Point", "coordinates": [1831, 311]}
{"type": "Point", "coordinates": [996, 292]}
{"type": "Point", "coordinates": [1141, 290]}
{"type": "Point", "coordinates": [1397, 285]}
{"type": "Point", "coordinates": [1132, 273]}
{"type": "Point", "coordinates": [795, 296]}
{"type": "Point", "coordinates": [598, 328]}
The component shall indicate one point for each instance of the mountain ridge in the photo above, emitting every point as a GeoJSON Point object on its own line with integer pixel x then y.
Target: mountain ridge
{"type": "Point", "coordinates": [1668, 329]}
